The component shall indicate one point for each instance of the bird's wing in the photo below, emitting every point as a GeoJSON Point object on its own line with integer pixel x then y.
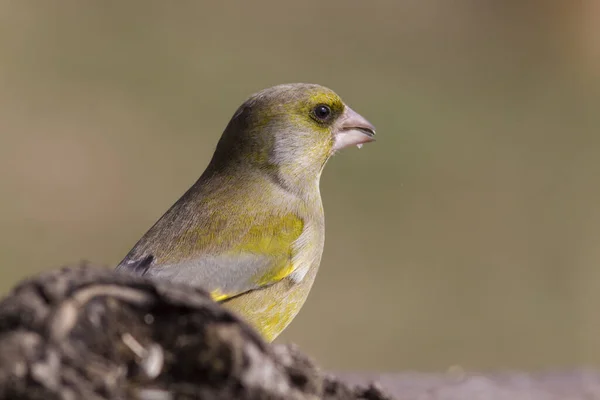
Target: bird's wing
{"type": "Point", "coordinates": [231, 261]}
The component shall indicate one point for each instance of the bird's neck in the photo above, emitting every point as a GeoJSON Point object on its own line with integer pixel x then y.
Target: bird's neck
{"type": "Point", "coordinates": [264, 186]}
{"type": "Point", "coordinates": [304, 185]}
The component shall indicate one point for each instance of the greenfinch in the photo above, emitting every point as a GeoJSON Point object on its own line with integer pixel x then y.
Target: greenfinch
{"type": "Point", "coordinates": [251, 229]}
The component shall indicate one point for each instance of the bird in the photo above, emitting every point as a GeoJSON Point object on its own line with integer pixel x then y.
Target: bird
{"type": "Point", "coordinates": [251, 229]}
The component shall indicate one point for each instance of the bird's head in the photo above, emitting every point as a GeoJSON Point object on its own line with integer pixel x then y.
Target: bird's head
{"type": "Point", "coordinates": [291, 130]}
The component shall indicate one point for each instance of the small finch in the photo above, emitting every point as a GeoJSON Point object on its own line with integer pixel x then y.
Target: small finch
{"type": "Point", "coordinates": [251, 229]}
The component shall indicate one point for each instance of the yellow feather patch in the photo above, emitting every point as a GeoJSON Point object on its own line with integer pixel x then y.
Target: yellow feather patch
{"type": "Point", "coordinates": [272, 238]}
{"type": "Point", "coordinates": [275, 275]}
{"type": "Point", "coordinates": [275, 240]}
{"type": "Point", "coordinates": [217, 295]}
{"type": "Point", "coordinates": [327, 97]}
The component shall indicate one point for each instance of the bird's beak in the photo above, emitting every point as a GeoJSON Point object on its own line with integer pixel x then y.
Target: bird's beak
{"type": "Point", "coordinates": [354, 130]}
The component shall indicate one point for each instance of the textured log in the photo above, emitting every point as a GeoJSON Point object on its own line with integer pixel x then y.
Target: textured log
{"type": "Point", "coordinates": [90, 333]}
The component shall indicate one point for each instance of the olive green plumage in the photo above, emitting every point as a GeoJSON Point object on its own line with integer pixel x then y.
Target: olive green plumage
{"type": "Point", "coordinates": [251, 229]}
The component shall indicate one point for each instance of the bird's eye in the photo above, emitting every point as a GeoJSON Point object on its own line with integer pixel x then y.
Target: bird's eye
{"type": "Point", "coordinates": [322, 112]}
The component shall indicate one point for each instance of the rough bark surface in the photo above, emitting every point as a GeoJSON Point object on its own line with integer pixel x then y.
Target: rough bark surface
{"type": "Point", "coordinates": [91, 333]}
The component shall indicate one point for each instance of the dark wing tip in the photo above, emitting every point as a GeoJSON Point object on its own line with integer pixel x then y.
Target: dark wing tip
{"type": "Point", "coordinates": [137, 267]}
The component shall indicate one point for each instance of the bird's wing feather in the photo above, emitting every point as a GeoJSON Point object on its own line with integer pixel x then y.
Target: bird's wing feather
{"type": "Point", "coordinates": [231, 261]}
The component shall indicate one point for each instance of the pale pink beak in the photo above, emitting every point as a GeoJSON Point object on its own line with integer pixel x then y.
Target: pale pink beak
{"type": "Point", "coordinates": [354, 130]}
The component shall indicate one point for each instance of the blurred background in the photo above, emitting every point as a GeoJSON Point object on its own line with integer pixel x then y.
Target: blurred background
{"type": "Point", "coordinates": [468, 234]}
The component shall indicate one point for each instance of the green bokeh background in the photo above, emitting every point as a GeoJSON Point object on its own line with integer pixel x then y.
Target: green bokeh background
{"type": "Point", "coordinates": [468, 234]}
